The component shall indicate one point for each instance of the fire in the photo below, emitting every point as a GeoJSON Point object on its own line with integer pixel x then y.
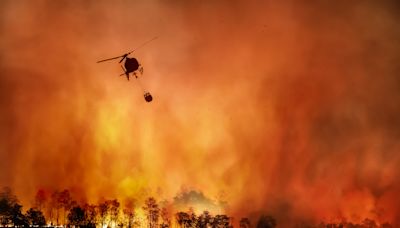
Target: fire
{"type": "Point", "coordinates": [286, 109]}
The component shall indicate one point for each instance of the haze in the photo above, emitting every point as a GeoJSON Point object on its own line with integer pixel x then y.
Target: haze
{"type": "Point", "coordinates": [289, 108]}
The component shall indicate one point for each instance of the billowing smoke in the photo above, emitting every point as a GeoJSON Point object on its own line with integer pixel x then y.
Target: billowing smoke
{"type": "Point", "coordinates": [290, 109]}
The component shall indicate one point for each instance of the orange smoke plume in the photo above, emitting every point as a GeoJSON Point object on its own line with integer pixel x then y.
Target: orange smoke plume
{"type": "Point", "coordinates": [289, 109]}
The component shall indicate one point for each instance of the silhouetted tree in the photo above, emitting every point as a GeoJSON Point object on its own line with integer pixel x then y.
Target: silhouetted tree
{"type": "Point", "coordinates": [90, 215]}
{"type": "Point", "coordinates": [103, 209]}
{"type": "Point", "coordinates": [5, 208]}
{"type": "Point", "coordinates": [76, 216]}
{"type": "Point", "coordinates": [7, 200]}
{"type": "Point", "coordinates": [129, 212]}
{"type": "Point", "coordinates": [55, 207]}
{"type": "Point", "coordinates": [35, 217]}
{"type": "Point", "coordinates": [50, 210]}
{"type": "Point", "coordinates": [266, 222]}
{"type": "Point", "coordinates": [153, 212]}
{"type": "Point", "coordinates": [192, 222]}
{"type": "Point", "coordinates": [64, 202]}
{"type": "Point", "coordinates": [220, 221]}
{"type": "Point", "coordinates": [114, 210]}
{"type": "Point", "coordinates": [17, 218]}
{"type": "Point", "coordinates": [204, 220]}
{"type": "Point", "coordinates": [40, 199]}
{"type": "Point", "coordinates": [165, 217]}
{"type": "Point", "coordinates": [244, 223]}
{"type": "Point", "coordinates": [10, 209]}
{"type": "Point", "coordinates": [182, 218]}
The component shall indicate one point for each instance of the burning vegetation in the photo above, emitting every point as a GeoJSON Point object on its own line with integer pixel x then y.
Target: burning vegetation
{"type": "Point", "coordinates": [288, 109]}
{"type": "Point", "coordinates": [59, 208]}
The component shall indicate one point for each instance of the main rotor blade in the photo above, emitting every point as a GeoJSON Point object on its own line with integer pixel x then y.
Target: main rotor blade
{"type": "Point", "coordinates": [125, 55]}
{"type": "Point", "coordinates": [143, 44]}
{"type": "Point", "coordinates": [110, 59]}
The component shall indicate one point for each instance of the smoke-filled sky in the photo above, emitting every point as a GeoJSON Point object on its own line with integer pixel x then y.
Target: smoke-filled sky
{"type": "Point", "coordinates": [290, 108]}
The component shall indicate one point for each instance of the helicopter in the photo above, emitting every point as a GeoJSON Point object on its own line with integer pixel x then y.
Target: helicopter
{"type": "Point", "coordinates": [132, 65]}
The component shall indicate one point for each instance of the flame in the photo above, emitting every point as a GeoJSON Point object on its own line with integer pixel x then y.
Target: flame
{"type": "Point", "coordinates": [286, 108]}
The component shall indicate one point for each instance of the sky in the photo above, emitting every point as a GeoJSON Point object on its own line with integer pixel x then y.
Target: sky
{"type": "Point", "coordinates": [288, 108]}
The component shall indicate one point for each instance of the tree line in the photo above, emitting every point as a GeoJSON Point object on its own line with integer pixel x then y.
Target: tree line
{"type": "Point", "coordinates": [59, 209]}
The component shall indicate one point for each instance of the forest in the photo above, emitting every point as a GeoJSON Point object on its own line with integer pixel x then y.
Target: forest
{"type": "Point", "coordinates": [59, 209]}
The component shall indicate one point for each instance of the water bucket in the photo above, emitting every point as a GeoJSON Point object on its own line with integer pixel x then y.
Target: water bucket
{"type": "Point", "coordinates": [148, 97]}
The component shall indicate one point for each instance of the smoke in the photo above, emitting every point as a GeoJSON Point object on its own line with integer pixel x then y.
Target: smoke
{"type": "Point", "coordinates": [197, 201]}
{"type": "Point", "coordinates": [285, 108]}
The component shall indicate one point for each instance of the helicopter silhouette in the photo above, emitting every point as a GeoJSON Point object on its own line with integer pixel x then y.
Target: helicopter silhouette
{"type": "Point", "coordinates": [132, 65]}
